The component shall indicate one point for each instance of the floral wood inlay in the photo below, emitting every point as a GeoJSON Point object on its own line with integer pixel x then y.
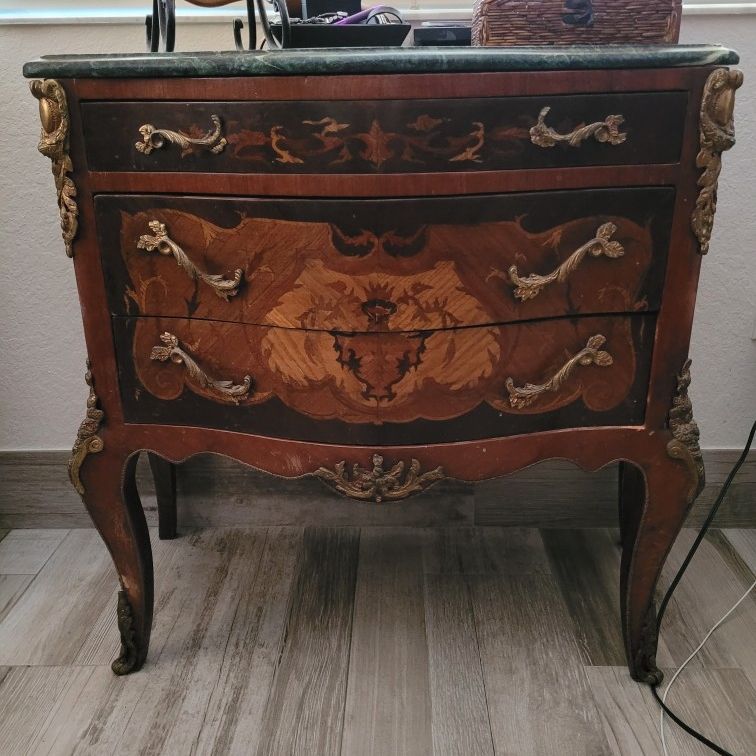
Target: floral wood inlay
{"type": "Point", "coordinates": [392, 243]}
{"type": "Point", "coordinates": [394, 377]}
{"type": "Point", "coordinates": [423, 138]}
{"type": "Point", "coordinates": [319, 275]}
{"type": "Point", "coordinates": [378, 484]}
{"type": "Point", "coordinates": [379, 364]}
{"type": "Point", "coordinates": [377, 338]}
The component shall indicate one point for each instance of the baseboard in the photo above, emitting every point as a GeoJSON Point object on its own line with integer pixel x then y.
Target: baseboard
{"type": "Point", "coordinates": [213, 491]}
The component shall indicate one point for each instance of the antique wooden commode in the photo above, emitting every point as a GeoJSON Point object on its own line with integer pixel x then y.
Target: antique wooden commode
{"type": "Point", "coordinates": [383, 268]}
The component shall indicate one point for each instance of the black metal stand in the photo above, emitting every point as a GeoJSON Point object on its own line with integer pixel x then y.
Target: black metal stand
{"type": "Point", "coordinates": [161, 26]}
{"type": "Point", "coordinates": [251, 29]}
{"type": "Point", "coordinates": [272, 41]}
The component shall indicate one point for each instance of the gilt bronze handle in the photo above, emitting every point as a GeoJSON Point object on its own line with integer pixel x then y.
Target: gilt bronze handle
{"type": "Point", "coordinates": [606, 131]}
{"type": "Point", "coordinates": [155, 139]}
{"type": "Point", "coordinates": [591, 354]}
{"type": "Point", "coordinates": [160, 242]}
{"type": "Point", "coordinates": [226, 391]}
{"type": "Point", "coordinates": [601, 244]}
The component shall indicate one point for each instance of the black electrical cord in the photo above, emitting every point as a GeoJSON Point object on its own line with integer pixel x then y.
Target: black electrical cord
{"type": "Point", "coordinates": [668, 595]}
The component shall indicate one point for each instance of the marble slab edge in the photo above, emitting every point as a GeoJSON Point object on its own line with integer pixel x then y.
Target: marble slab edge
{"type": "Point", "coordinates": [337, 61]}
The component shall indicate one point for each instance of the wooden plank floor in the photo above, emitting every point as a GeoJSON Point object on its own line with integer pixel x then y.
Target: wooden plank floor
{"type": "Point", "coordinates": [282, 641]}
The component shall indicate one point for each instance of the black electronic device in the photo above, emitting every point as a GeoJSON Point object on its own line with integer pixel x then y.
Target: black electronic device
{"type": "Point", "coordinates": [355, 35]}
{"type": "Point", "coordinates": [443, 35]}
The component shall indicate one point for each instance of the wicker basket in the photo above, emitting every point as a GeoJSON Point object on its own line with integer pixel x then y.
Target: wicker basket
{"type": "Point", "coordinates": [575, 22]}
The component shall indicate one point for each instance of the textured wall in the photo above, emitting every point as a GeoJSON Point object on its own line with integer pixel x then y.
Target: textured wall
{"type": "Point", "coordinates": [42, 354]}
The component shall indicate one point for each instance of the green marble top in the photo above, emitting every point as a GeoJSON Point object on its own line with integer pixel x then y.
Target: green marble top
{"type": "Point", "coordinates": [378, 60]}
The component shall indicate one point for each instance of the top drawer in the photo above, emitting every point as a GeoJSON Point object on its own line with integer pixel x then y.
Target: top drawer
{"type": "Point", "coordinates": [385, 136]}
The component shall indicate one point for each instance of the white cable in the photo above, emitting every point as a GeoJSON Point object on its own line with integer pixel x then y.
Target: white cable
{"type": "Point", "coordinates": [700, 646]}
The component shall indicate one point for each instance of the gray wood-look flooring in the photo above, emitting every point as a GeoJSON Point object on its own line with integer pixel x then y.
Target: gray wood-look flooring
{"type": "Point", "coordinates": [312, 641]}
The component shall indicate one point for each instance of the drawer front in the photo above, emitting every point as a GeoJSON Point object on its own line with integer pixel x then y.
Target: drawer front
{"type": "Point", "coordinates": [385, 136]}
{"type": "Point", "coordinates": [388, 388]}
{"type": "Point", "coordinates": [387, 265]}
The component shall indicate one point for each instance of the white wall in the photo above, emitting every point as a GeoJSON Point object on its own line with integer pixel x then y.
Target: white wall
{"type": "Point", "coordinates": [42, 393]}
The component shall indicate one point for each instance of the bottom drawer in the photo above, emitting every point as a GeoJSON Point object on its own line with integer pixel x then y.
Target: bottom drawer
{"type": "Point", "coordinates": [411, 387]}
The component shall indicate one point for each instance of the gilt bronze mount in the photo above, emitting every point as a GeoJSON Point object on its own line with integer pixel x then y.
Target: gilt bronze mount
{"type": "Point", "coordinates": [717, 134]}
{"type": "Point", "coordinates": [53, 143]}
{"type": "Point", "coordinates": [87, 439]}
{"type": "Point", "coordinates": [376, 483]}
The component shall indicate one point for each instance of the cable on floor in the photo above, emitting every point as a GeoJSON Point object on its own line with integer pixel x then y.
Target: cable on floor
{"type": "Point", "coordinates": [661, 700]}
{"type": "Point", "coordinates": [708, 635]}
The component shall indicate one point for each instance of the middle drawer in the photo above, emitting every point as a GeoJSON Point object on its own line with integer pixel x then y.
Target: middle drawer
{"type": "Point", "coordinates": [386, 264]}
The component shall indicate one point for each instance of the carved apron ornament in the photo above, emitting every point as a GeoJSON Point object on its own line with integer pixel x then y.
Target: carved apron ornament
{"type": "Point", "coordinates": [376, 483]}
{"type": "Point", "coordinates": [717, 129]}
{"type": "Point", "coordinates": [53, 143]}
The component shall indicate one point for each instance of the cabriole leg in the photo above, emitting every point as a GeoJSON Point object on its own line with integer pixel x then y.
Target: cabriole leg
{"type": "Point", "coordinates": [654, 503]}
{"type": "Point", "coordinates": [111, 498]}
{"type": "Point", "coordinates": [104, 475]}
{"type": "Point", "coordinates": [655, 498]}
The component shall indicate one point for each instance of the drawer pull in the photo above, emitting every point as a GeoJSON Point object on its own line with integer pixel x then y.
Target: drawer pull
{"type": "Point", "coordinates": [601, 244]}
{"type": "Point", "coordinates": [227, 391]}
{"type": "Point", "coordinates": [606, 131]}
{"type": "Point", "coordinates": [160, 242]}
{"type": "Point", "coordinates": [155, 139]}
{"type": "Point", "coordinates": [591, 354]}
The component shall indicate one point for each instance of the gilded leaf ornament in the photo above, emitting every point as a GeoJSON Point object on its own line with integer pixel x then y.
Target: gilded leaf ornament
{"type": "Point", "coordinates": [717, 134]}
{"type": "Point", "coordinates": [685, 444]}
{"type": "Point", "coordinates": [53, 143]}
{"type": "Point", "coordinates": [376, 483]}
{"type": "Point", "coordinates": [87, 441]}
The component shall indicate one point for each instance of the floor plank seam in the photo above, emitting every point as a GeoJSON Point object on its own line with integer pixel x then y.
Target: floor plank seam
{"type": "Point", "coordinates": [734, 553]}
{"type": "Point", "coordinates": [209, 697]}
{"type": "Point", "coordinates": [349, 650]}
{"type": "Point", "coordinates": [480, 660]}
{"type": "Point", "coordinates": [79, 707]}
{"type": "Point", "coordinates": [53, 552]}
{"type": "Point", "coordinates": [284, 632]}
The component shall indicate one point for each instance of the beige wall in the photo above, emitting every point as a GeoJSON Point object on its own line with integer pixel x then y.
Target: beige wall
{"type": "Point", "coordinates": [42, 354]}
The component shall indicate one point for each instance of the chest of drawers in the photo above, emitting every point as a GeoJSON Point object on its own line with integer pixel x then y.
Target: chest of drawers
{"type": "Point", "coordinates": [386, 268]}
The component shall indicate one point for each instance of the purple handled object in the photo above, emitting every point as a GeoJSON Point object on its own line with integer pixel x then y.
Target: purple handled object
{"type": "Point", "coordinates": [367, 15]}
